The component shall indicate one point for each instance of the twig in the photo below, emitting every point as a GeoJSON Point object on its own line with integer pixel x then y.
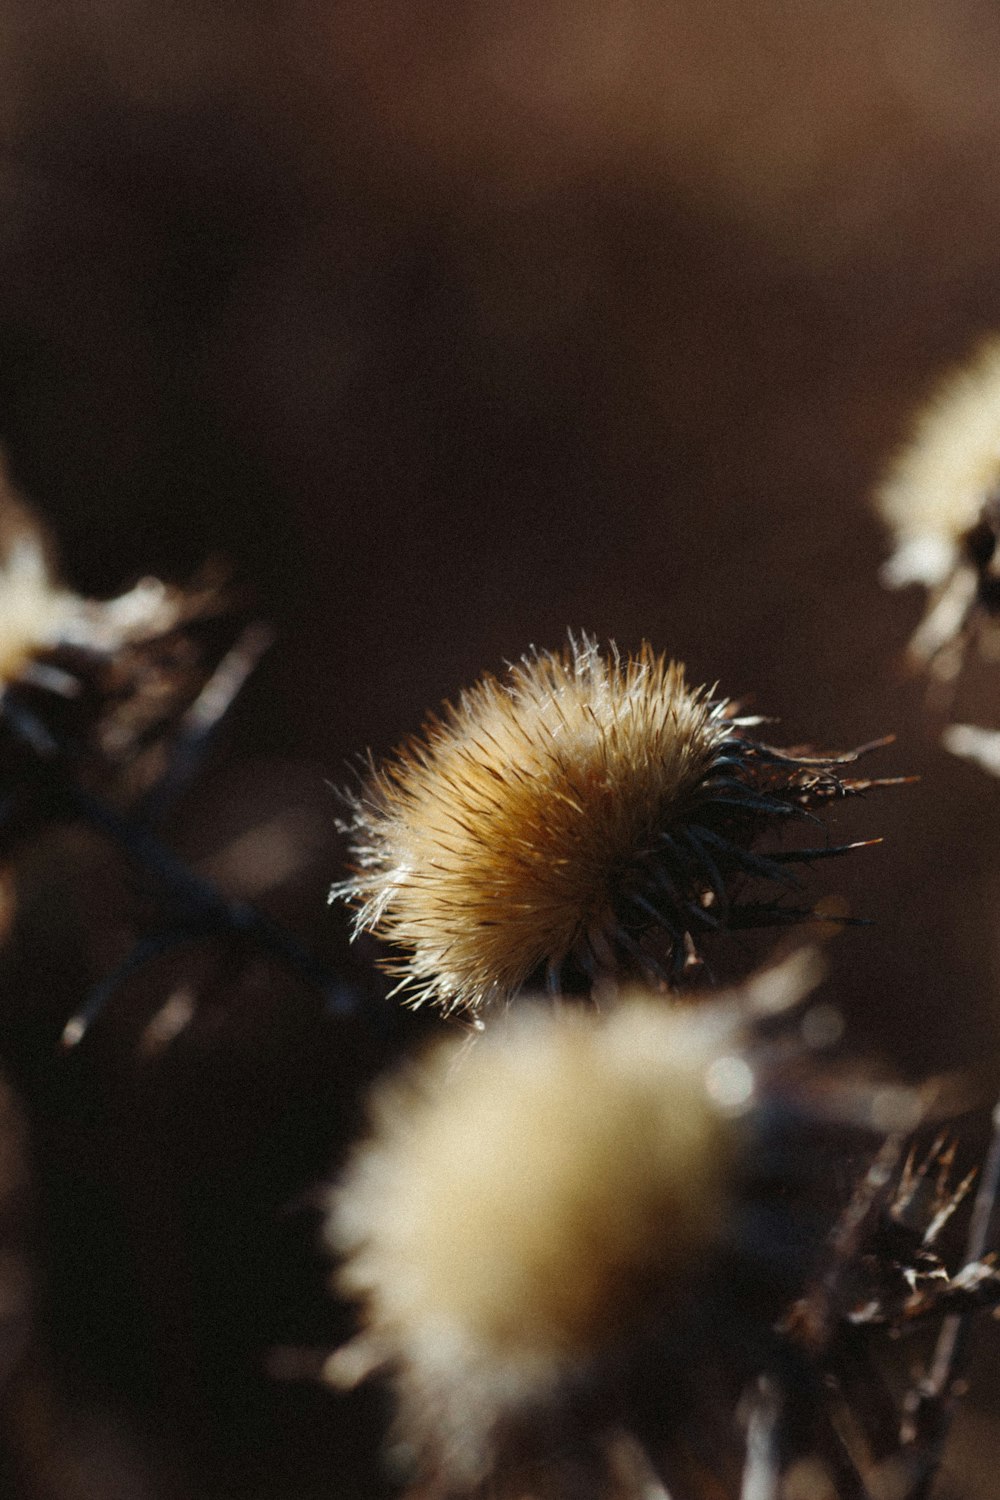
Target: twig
{"type": "Point", "coordinates": [207, 910]}
{"type": "Point", "coordinates": [930, 1407]}
{"type": "Point", "coordinates": [815, 1317]}
{"type": "Point", "coordinates": [198, 724]}
{"type": "Point", "coordinates": [762, 1466]}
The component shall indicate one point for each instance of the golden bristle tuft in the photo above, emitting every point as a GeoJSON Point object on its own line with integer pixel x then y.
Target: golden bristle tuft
{"type": "Point", "coordinates": [587, 815]}
{"type": "Point", "coordinates": [524, 1206]}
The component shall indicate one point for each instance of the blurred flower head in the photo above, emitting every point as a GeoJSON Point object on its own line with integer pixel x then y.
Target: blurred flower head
{"type": "Point", "coordinates": [91, 675]}
{"type": "Point", "coordinates": [540, 1214]}
{"type": "Point", "coordinates": [941, 500]}
{"type": "Point", "coordinates": [524, 1206]}
{"type": "Point", "coordinates": [588, 815]}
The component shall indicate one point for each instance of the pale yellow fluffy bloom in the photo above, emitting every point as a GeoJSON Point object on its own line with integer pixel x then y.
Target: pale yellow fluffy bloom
{"type": "Point", "coordinates": [524, 1206]}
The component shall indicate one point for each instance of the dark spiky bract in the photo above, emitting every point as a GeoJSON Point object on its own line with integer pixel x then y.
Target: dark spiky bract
{"type": "Point", "coordinates": [589, 814]}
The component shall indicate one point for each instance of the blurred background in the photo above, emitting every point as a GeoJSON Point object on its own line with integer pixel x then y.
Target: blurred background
{"type": "Point", "coordinates": [452, 325]}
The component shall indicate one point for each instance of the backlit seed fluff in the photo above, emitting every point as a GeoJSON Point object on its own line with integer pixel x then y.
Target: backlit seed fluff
{"type": "Point", "coordinates": [587, 815]}
{"type": "Point", "coordinates": [941, 500]}
{"type": "Point", "coordinates": [40, 618]}
{"type": "Point", "coordinates": [34, 611]}
{"type": "Point", "coordinates": [524, 1208]}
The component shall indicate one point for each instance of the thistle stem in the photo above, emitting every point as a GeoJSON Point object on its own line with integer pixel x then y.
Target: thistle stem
{"type": "Point", "coordinates": [206, 908]}
{"type": "Point", "coordinates": [200, 721]}
{"type": "Point", "coordinates": [930, 1407]}
{"type": "Point", "coordinates": [203, 901]}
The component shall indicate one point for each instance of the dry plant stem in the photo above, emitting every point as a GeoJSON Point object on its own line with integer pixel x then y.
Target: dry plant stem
{"type": "Point", "coordinates": [784, 1424]}
{"type": "Point", "coordinates": [199, 723]}
{"type": "Point", "coordinates": [817, 1315]}
{"type": "Point", "coordinates": [831, 1445]}
{"type": "Point", "coordinates": [814, 1328]}
{"type": "Point", "coordinates": [762, 1468]}
{"type": "Point", "coordinates": [207, 910]}
{"type": "Point", "coordinates": [207, 906]}
{"type": "Point", "coordinates": [931, 1406]}
{"type": "Point", "coordinates": [865, 1394]}
{"type": "Point", "coordinates": [630, 1468]}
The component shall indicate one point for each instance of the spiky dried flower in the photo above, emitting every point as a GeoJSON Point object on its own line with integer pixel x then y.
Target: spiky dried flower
{"type": "Point", "coordinates": [109, 671]}
{"type": "Point", "coordinates": [40, 617]}
{"type": "Point", "coordinates": [941, 499]}
{"type": "Point", "coordinates": [546, 1214]}
{"type": "Point", "coordinates": [586, 815]}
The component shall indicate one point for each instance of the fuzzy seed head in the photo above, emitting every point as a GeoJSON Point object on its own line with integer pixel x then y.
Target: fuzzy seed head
{"type": "Point", "coordinates": [576, 816]}
{"type": "Point", "coordinates": [941, 499]}
{"type": "Point", "coordinates": [525, 1203]}
{"type": "Point", "coordinates": [933, 493]}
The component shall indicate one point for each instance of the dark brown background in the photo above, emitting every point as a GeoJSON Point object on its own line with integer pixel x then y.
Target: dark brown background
{"type": "Point", "coordinates": [454, 325]}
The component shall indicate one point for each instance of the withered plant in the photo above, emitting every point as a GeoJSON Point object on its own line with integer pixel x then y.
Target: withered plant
{"type": "Point", "coordinates": [586, 818]}
{"type": "Point", "coordinates": [586, 824]}
{"type": "Point", "coordinates": [618, 1233]}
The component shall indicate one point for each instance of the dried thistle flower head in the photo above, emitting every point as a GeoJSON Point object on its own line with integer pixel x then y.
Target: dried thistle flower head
{"type": "Point", "coordinates": [587, 815]}
{"type": "Point", "coordinates": [941, 498]}
{"type": "Point", "coordinates": [39, 618]}
{"type": "Point", "coordinates": [545, 1214]}
{"type": "Point", "coordinates": [524, 1206]}
{"type": "Point", "coordinates": [107, 672]}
